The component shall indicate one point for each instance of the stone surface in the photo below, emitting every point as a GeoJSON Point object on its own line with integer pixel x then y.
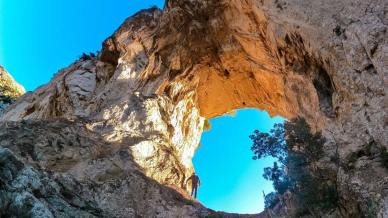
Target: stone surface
{"type": "Point", "coordinates": [10, 90]}
{"type": "Point", "coordinates": [162, 73]}
{"type": "Point", "coordinates": [61, 169]}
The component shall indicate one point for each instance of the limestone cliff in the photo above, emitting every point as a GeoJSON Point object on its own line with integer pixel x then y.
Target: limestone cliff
{"type": "Point", "coordinates": [9, 90]}
{"type": "Point", "coordinates": [139, 107]}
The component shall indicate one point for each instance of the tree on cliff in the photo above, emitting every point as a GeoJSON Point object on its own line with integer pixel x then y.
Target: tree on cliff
{"type": "Point", "coordinates": [298, 150]}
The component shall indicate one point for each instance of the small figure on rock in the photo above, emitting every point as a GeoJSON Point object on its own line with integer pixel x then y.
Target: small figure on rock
{"type": "Point", "coordinates": [195, 182]}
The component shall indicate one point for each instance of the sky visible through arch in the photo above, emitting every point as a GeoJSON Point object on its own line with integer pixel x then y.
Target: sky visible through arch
{"type": "Point", "coordinates": [231, 180]}
{"type": "Point", "coordinates": [38, 38]}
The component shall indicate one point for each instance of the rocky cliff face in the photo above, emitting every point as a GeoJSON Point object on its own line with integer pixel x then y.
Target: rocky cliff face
{"type": "Point", "coordinates": [9, 90]}
{"type": "Point", "coordinates": [139, 107]}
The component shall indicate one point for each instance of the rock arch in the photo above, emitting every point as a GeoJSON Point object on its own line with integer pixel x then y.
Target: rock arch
{"type": "Point", "coordinates": [164, 71]}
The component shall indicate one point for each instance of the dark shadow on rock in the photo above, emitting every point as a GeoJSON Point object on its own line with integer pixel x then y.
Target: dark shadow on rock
{"type": "Point", "coordinates": [60, 168]}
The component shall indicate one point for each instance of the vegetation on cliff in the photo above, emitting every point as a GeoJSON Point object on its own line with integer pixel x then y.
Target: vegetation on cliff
{"type": "Point", "coordinates": [9, 89]}
{"type": "Point", "coordinates": [296, 176]}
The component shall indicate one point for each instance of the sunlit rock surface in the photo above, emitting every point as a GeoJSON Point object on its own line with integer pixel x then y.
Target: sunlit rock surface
{"type": "Point", "coordinates": [139, 108]}
{"type": "Point", "coordinates": [10, 90]}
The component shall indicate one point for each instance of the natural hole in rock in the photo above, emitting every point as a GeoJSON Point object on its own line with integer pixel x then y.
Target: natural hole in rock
{"type": "Point", "coordinates": [231, 181]}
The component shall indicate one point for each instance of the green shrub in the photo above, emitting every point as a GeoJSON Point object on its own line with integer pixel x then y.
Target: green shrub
{"type": "Point", "coordinates": [86, 56]}
{"type": "Point", "coordinates": [352, 157]}
{"type": "Point", "coordinates": [6, 99]}
{"type": "Point", "coordinates": [270, 200]}
{"type": "Point", "coordinates": [384, 157]}
{"type": "Point", "coordinates": [372, 209]}
{"type": "Point", "coordinates": [189, 202]}
{"type": "Point", "coordinates": [207, 125]}
{"type": "Point", "coordinates": [335, 158]}
{"type": "Point", "coordinates": [298, 150]}
{"type": "Point", "coordinates": [368, 148]}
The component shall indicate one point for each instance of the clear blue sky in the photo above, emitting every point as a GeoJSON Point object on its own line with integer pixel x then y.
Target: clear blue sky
{"type": "Point", "coordinates": [231, 180]}
{"type": "Point", "coordinates": [37, 38]}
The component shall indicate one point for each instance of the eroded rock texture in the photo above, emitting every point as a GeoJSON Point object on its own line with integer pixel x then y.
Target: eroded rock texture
{"type": "Point", "coordinates": [163, 72]}
{"type": "Point", "coordinates": [58, 168]}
